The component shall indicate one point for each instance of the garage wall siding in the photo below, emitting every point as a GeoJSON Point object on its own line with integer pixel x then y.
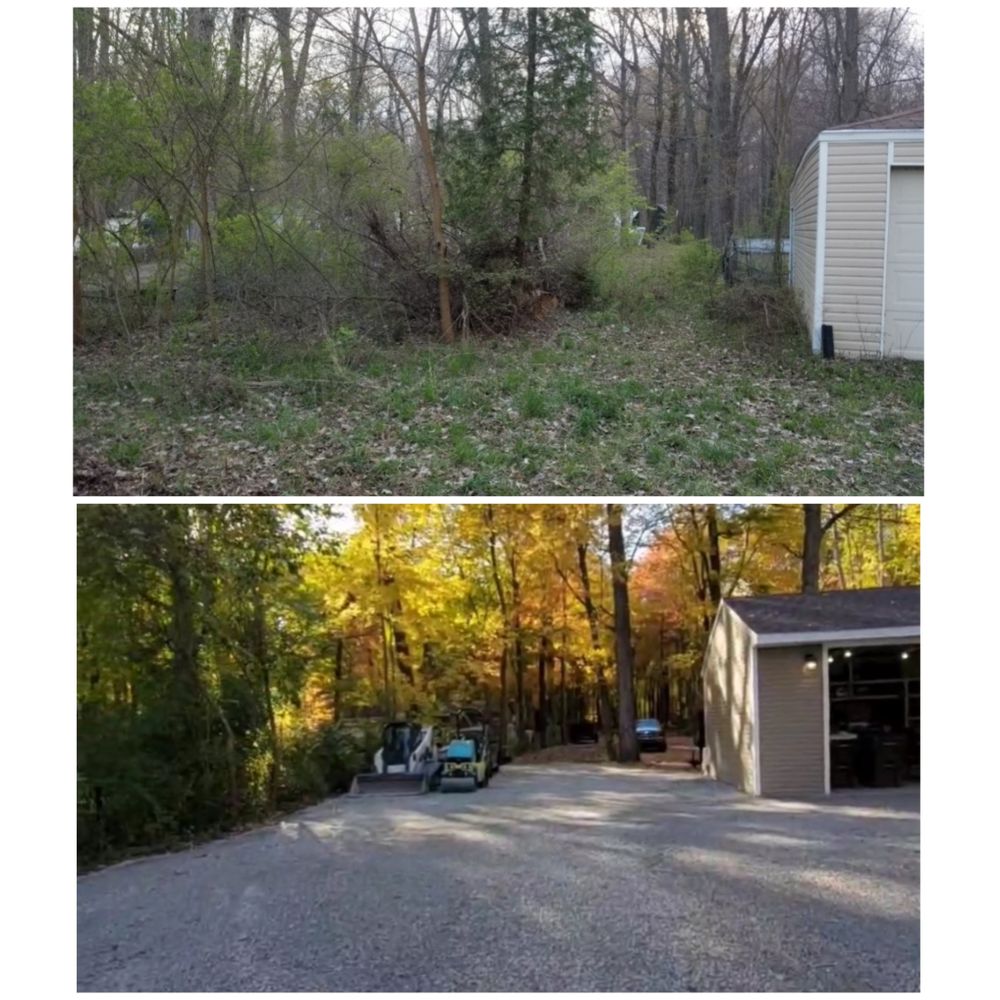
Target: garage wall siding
{"type": "Point", "coordinates": [855, 245]}
{"type": "Point", "coordinates": [729, 703]}
{"type": "Point", "coordinates": [910, 153]}
{"type": "Point", "coordinates": [804, 203]}
{"type": "Point", "coordinates": [792, 755]}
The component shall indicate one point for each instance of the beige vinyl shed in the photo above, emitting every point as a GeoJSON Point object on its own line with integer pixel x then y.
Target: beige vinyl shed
{"type": "Point", "coordinates": [857, 236]}
{"type": "Point", "coordinates": [780, 671]}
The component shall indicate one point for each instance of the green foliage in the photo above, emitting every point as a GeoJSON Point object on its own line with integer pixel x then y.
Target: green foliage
{"type": "Point", "coordinates": [696, 269]}
{"type": "Point", "coordinates": [236, 660]}
{"type": "Point", "coordinates": [638, 279]}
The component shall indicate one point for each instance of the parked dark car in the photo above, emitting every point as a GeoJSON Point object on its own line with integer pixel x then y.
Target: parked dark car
{"type": "Point", "coordinates": [650, 736]}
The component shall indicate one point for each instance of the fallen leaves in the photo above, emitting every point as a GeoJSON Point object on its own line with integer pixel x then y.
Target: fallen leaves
{"type": "Point", "coordinates": [673, 409]}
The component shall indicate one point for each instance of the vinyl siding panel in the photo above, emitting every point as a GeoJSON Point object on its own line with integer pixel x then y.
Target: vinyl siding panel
{"type": "Point", "coordinates": [909, 153]}
{"type": "Point", "coordinates": [855, 245]}
{"type": "Point", "coordinates": [729, 703]}
{"type": "Point", "coordinates": [804, 203]}
{"type": "Point", "coordinates": [792, 755]}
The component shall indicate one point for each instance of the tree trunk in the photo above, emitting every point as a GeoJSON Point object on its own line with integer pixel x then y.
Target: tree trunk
{"type": "Point", "coordinates": [528, 159]}
{"type": "Point", "coordinates": [77, 286]}
{"type": "Point", "coordinates": [504, 657]}
{"type": "Point", "coordinates": [262, 656]}
{"type": "Point", "coordinates": [603, 697]}
{"type": "Point", "coordinates": [720, 221]}
{"type": "Point", "coordinates": [83, 25]}
{"type": "Point", "coordinates": [628, 749]}
{"type": "Point", "coordinates": [543, 715]}
{"type": "Point", "coordinates": [812, 543]}
{"type": "Point", "coordinates": [563, 722]}
{"type": "Point", "coordinates": [487, 91]}
{"type": "Point", "coordinates": [293, 72]}
{"type": "Point", "coordinates": [849, 104]}
{"type": "Point", "coordinates": [501, 599]}
{"type": "Point", "coordinates": [714, 557]}
{"type": "Point", "coordinates": [654, 149]}
{"type": "Point", "coordinates": [338, 678]}
{"type": "Point", "coordinates": [434, 184]}
{"type": "Point", "coordinates": [691, 214]}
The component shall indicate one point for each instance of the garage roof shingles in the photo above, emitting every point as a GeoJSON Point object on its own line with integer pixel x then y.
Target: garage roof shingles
{"type": "Point", "coordinates": [831, 610]}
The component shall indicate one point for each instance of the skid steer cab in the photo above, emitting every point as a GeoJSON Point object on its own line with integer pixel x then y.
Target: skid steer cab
{"type": "Point", "coordinates": [465, 766]}
{"type": "Point", "coordinates": [406, 763]}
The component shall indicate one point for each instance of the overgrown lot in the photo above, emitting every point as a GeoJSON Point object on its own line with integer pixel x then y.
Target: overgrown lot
{"type": "Point", "coordinates": [589, 405]}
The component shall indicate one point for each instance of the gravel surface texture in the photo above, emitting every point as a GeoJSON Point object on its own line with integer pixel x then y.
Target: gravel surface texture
{"type": "Point", "coordinates": [555, 877]}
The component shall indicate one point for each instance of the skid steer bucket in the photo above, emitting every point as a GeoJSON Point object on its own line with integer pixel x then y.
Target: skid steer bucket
{"type": "Point", "coordinates": [401, 783]}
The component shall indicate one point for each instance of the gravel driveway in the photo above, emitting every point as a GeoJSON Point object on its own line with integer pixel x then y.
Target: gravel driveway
{"type": "Point", "coordinates": [556, 877]}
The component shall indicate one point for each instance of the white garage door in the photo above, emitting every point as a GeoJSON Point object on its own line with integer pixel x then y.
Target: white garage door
{"type": "Point", "coordinates": [904, 278]}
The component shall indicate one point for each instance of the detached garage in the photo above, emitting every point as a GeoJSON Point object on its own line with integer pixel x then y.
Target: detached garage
{"type": "Point", "coordinates": [806, 692]}
{"type": "Point", "coordinates": [857, 235]}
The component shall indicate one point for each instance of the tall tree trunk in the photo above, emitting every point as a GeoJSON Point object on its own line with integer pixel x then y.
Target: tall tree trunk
{"type": "Point", "coordinates": [338, 677]}
{"type": "Point", "coordinates": [654, 148]}
{"type": "Point", "coordinates": [234, 60]}
{"type": "Point", "coordinates": [714, 557]}
{"type": "Point", "coordinates": [812, 543]}
{"type": "Point", "coordinates": [720, 222]}
{"type": "Point", "coordinates": [433, 179]}
{"type": "Point", "coordinates": [293, 72]}
{"type": "Point", "coordinates": [628, 748]}
{"type": "Point", "coordinates": [77, 285]}
{"type": "Point", "coordinates": [262, 656]}
{"type": "Point", "coordinates": [519, 661]}
{"type": "Point", "coordinates": [691, 214]}
{"type": "Point", "coordinates": [543, 715]}
{"type": "Point", "coordinates": [487, 91]}
{"type": "Point", "coordinates": [504, 659]}
{"type": "Point", "coordinates": [849, 103]}
{"type": "Point", "coordinates": [528, 157]}
{"type": "Point", "coordinates": [603, 696]}
{"type": "Point", "coordinates": [519, 670]}
{"type": "Point", "coordinates": [104, 43]}
{"type": "Point", "coordinates": [356, 68]}
{"type": "Point", "coordinates": [83, 30]}
{"type": "Point", "coordinates": [814, 528]}
{"type": "Point", "coordinates": [673, 124]}
{"type": "Point", "coordinates": [563, 721]}
{"type": "Point", "coordinates": [505, 615]}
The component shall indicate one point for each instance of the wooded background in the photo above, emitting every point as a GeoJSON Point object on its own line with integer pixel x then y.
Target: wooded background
{"type": "Point", "coordinates": [442, 170]}
{"type": "Point", "coordinates": [237, 659]}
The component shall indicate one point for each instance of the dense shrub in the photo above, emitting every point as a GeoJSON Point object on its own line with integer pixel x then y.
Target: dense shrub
{"type": "Point", "coordinates": [759, 309]}
{"type": "Point", "coordinates": [636, 279]}
{"type": "Point", "coordinates": [135, 792]}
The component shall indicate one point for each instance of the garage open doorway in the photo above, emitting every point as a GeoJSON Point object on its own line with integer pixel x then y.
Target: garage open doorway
{"type": "Point", "coordinates": [874, 714]}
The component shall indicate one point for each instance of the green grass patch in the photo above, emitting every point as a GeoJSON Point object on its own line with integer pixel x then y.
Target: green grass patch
{"type": "Point", "coordinates": [672, 403]}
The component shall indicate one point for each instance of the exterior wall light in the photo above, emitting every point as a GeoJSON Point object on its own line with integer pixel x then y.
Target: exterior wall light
{"type": "Point", "coordinates": [905, 655]}
{"type": "Point", "coordinates": [810, 663]}
{"type": "Point", "coordinates": [847, 652]}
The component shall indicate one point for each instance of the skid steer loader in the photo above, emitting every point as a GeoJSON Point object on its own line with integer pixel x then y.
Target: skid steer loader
{"type": "Point", "coordinates": [465, 766]}
{"type": "Point", "coordinates": [405, 764]}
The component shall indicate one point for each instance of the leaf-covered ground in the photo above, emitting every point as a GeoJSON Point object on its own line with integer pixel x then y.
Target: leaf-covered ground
{"type": "Point", "coordinates": [588, 406]}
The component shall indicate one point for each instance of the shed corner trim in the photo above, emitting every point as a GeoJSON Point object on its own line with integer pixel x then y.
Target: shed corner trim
{"type": "Point", "coordinates": [817, 316]}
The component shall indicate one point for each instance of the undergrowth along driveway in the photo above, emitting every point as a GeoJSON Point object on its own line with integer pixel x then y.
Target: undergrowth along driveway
{"type": "Point", "coordinates": [588, 406]}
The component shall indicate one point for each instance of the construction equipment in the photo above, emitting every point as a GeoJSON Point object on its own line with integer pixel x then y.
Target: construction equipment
{"type": "Point", "coordinates": [465, 766]}
{"type": "Point", "coordinates": [406, 763]}
{"type": "Point", "coordinates": [471, 724]}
